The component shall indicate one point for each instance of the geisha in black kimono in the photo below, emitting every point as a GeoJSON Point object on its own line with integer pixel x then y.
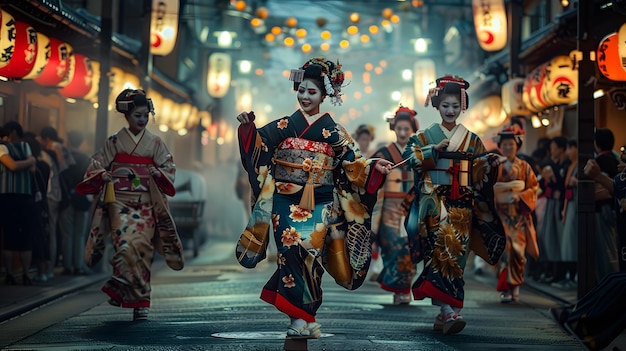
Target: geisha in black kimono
{"type": "Point", "coordinates": [314, 193]}
{"type": "Point", "coordinates": [453, 210]}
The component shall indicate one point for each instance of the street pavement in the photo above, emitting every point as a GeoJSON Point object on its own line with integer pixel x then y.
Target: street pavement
{"type": "Point", "coordinates": [213, 304]}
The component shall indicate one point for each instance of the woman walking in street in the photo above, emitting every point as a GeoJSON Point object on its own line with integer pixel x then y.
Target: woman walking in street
{"type": "Point", "coordinates": [516, 197]}
{"type": "Point", "coordinates": [316, 190]}
{"type": "Point", "coordinates": [131, 175]}
{"type": "Point", "coordinates": [454, 178]}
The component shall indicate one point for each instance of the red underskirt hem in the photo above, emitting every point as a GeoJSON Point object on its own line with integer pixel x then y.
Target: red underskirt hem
{"type": "Point", "coordinates": [123, 304]}
{"type": "Point", "coordinates": [394, 290]}
{"type": "Point", "coordinates": [274, 298]}
{"type": "Point", "coordinates": [427, 289]}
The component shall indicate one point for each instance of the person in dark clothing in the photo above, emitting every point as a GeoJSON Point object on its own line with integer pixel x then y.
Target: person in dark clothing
{"type": "Point", "coordinates": [41, 233]}
{"type": "Point", "coordinates": [73, 222]}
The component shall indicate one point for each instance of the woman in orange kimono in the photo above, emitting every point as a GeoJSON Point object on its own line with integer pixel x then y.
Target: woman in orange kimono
{"type": "Point", "coordinates": [131, 175]}
{"type": "Point", "coordinates": [516, 198]}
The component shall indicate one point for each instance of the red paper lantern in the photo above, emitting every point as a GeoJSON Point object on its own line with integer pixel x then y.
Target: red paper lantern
{"type": "Point", "coordinates": [608, 58]}
{"type": "Point", "coordinates": [531, 94]}
{"type": "Point", "coordinates": [57, 66]}
{"type": "Point", "coordinates": [80, 83]}
{"type": "Point", "coordinates": [43, 55]}
{"type": "Point", "coordinates": [24, 53]}
{"type": "Point", "coordinates": [7, 37]}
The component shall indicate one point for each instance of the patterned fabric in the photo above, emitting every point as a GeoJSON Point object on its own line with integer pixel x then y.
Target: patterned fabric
{"type": "Point", "coordinates": [388, 225]}
{"type": "Point", "coordinates": [440, 225]}
{"type": "Point", "coordinates": [138, 221]}
{"type": "Point", "coordinates": [516, 218]}
{"type": "Point", "coordinates": [327, 235]}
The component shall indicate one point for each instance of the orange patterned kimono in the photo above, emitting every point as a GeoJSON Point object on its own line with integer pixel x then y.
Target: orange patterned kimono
{"type": "Point", "coordinates": [138, 212]}
{"type": "Point", "coordinates": [521, 236]}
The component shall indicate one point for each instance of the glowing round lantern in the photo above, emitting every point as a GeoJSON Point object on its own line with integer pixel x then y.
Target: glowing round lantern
{"type": "Point", "coordinates": [71, 62]}
{"type": "Point", "coordinates": [490, 24]}
{"type": "Point", "coordinates": [82, 79]}
{"type": "Point", "coordinates": [92, 94]}
{"type": "Point", "coordinates": [608, 58]}
{"type": "Point", "coordinates": [560, 86]}
{"type": "Point", "coordinates": [164, 26]}
{"type": "Point", "coordinates": [621, 38]}
{"type": "Point", "coordinates": [512, 102]}
{"type": "Point", "coordinates": [25, 53]}
{"type": "Point", "coordinates": [489, 110]}
{"type": "Point", "coordinates": [7, 37]}
{"type": "Point", "coordinates": [42, 57]}
{"type": "Point", "coordinates": [531, 93]}
{"type": "Point", "coordinates": [56, 69]}
{"type": "Point", "coordinates": [423, 74]}
{"type": "Point", "coordinates": [192, 120]}
{"type": "Point", "coordinates": [218, 79]}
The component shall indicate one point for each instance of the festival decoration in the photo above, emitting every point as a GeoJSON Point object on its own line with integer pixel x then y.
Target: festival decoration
{"type": "Point", "coordinates": [24, 54]}
{"type": "Point", "coordinates": [164, 26]}
{"type": "Point", "coordinates": [490, 24]}
{"type": "Point", "coordinates": [218, 78]}
{"type": "Point", "coordinates": [608, 58]}
{"type": "Point", "coordinates": [57, 66]}
{"type": "Point", "coordinates": [7, 37]}
{"type": "Point", "coordinates": [512, 101]}
{"type": "Point", "coordinates": [82, 78]}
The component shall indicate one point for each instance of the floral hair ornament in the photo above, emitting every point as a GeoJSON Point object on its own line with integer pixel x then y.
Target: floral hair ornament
{"type": "Point", "coordinates": [440, 85]}
{"type": "Point", "coordinates": [332, 76]}
{"type": "Point", "coordinates": [404, 113]}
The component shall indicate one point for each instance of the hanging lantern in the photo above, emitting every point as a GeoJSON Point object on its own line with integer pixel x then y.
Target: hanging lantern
{"type": "Point", "coordinates": [82, 80]}
{"type": "Point", "coordinates": [92, 94]}
{"type": "Point", "coordinates": [204, 117]}
{"type": "Point", "coordinates": [218, 79]}
{"type": "Point", "coordinates": [7, 37]}
{"type": "Point", "coordinates": [423, 75]}
{"type": "Point", "coordinates": [25, 53]}
{"type": "Point", "coordinates": [608, 58]}
{"type": "Point", "coordinates": [489, 110]}
{"type": "Point", "coordinates": [164, 26]}
{"type": "Point", "coordinates": [512, 102]}
{"type": "Point", "coordinates": [193, 119]}
{"type": "Point", "coordinates": [42, 57]}
{"type": "Point", "coordinates": [490, 24]}
{"type": "Point", "coordinates": [560, 86]}
{"type": "Point", "coordinates": [531, 93]}
{"type": "Point", "coordinates": [621, 38]}
{"type": "Point", "coordinates": [71, 62]}
{"type": "Point", "coordinates": [243, 95]}
{"type": "Point", "coordinates": [56, 69]}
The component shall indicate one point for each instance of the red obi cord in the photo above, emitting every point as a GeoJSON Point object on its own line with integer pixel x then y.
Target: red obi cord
{"type": "Point", "coordinates": [455, 192]}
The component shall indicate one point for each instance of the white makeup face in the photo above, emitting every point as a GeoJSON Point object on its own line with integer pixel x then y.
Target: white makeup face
{"type": "Point", "coordinates": [310, 97]}
{"type": "Point", "coordinates": [138, 119]}
{"type": "Point", "coordinates": [449, 108]}
{"type": "Point", "coordinates": [403, 131]}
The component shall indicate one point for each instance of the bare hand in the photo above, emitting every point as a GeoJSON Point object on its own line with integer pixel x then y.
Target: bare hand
{"type": "Point", "coordinates": [154, 171]}
{"type": "Point", "coordinates": [515, 198]}
{"type": "Point", "coordinates": [245, 117]}
{"type": "Point", "coordinates": [383, 166]}
{"type": "Point", "coordinates": [442, 145]}
{"type": "Point", "coordinates": [106, 176]}
{"type": "Point", "coordinates": [592, 169]}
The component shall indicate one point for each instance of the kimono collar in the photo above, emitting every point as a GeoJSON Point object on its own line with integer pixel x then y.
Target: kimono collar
{"type": "Point", "coordinates": [137, 137]}
{"type": "Point", "coordinates": [311, 118]}
{"type": "Point", "coordinates": [446, 132]}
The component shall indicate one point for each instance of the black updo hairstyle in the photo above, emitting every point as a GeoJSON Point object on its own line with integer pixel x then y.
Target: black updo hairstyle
{"type": "Point", "coordinates": [313, 72]}
{"type": "Point", "coordinates": [449, 85]}
{"type": "Point", "coordinates": [129, 99]}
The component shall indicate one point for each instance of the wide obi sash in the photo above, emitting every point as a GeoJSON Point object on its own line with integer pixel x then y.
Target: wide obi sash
{"type": "Point", "coordinates": [131, 173]}
{"type": "Point", "coordinates": [504, 190]}
{"type": "Point", "coordinates": [398, 183]}
{"type": "Point", "coordinates": [452, 168]}
{"type": "Point", "coordinates": [303, 161]}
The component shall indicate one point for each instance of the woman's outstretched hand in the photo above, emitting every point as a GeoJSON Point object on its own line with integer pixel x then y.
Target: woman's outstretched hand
{"type": "Point", "coordinates": [246, 117]}
{"type": "Point", "coordinates": [383, 166]}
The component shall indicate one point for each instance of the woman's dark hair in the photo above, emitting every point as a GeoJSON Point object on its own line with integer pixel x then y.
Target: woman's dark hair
{"type": "Point", "coordinates": [560, 141]}
{"type": "Point", "coordinates": [605, 139]}
{"type": "Point", "coordinates": [14, 126]}
{"type": "Point", "coordinates": [313, 72]}
{"type": "Point", "coordinates": [449, 89]}
{"type": "Point", "coordinates": [49, 133]}
{"type": "Point", "coordinates": [35, 146]}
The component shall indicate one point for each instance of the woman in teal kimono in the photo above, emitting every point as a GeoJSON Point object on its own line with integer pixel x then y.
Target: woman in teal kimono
{"type": "Point", "coordinates": [314, 192]}
{"type": "Point", "coordinates": [453, 209]}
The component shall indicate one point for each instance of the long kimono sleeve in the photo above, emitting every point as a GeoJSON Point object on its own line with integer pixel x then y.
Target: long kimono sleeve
{"type": "Point", "coordinates": [165, 164]}
{"type": "Point", "coordinates": [528, 197]}
{"type": "Point", "coordinates": [421, 155]}
{"type": "Point", "coordinates": [92, 181]}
